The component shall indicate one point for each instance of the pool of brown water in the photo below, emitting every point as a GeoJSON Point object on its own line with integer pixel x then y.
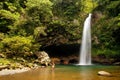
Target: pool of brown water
{"type": "Point", "coordinates": [67, 72]}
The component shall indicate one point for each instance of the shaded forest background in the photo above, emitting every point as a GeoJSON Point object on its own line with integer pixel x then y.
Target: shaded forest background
{"type": "Point", "coordinates": [27, 26]}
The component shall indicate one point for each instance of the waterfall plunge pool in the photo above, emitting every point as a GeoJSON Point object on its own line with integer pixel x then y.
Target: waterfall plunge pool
{"type": "Point", "coordinates": [67, 72]}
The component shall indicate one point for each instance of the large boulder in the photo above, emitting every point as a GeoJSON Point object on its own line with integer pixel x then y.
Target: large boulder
{"type": "Point", "coordinates": [104, 73]}
{"type": "Point", "coordinates": [43, 58]}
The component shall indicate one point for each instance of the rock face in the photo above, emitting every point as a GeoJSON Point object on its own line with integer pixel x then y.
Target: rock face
{"type": "Point", "coordinates": [43, 58]}
{"type": "Point", "coordinates": [104, 73]}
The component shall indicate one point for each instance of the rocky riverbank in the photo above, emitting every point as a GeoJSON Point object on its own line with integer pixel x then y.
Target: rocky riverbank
{"type": "Point", "coordinates": [7, 70]}
{"type": "Point", "coordinates": [17, 65]}
{"type": "Point", "coordinates": [10, 72]}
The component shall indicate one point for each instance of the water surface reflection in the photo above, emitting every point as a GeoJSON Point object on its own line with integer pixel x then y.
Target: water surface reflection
{"type": "Point", "coordinates": [68, 72]}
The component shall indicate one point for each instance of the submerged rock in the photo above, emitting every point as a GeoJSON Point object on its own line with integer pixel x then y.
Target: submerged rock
{"type": "Point", "coordinates": [104, 73]}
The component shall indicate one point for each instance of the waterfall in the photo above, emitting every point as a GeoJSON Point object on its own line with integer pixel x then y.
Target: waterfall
{"type": "Point", "coordinates": [85, 53]}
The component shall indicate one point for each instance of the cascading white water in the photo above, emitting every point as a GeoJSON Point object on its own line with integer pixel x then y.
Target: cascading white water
{"type": "Point", "coordinates": [85, 53]}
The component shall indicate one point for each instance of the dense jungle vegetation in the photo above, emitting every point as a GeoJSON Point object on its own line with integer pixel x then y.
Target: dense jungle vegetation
{"type": "Point", "coordinates": [28, 25]}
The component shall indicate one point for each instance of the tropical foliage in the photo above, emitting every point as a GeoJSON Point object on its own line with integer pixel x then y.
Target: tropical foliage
{"type": "Point", "coordinates": [27, 25]}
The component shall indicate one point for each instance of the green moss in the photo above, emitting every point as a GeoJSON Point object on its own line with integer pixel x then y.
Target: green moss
{"type": "Point", "coordinates": [4, 61]}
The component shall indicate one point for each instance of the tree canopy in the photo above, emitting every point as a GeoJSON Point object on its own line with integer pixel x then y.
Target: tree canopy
{"type": "Point", "coordinates": [40, 23]}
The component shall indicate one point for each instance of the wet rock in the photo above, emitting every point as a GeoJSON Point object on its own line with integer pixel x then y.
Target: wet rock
{"type": "Point", "coordinates": [43, 58]}
{"type": "Point", "coordinates": [73, 61]}
{"type": "Point", "coordinates": [64, 61]}
{"type": "Point", "coordinates": [104, 73]}
{"type": "Point", "coordinates": [4, 67]}
{"type": "Point", "coordinates": [55, 60]}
